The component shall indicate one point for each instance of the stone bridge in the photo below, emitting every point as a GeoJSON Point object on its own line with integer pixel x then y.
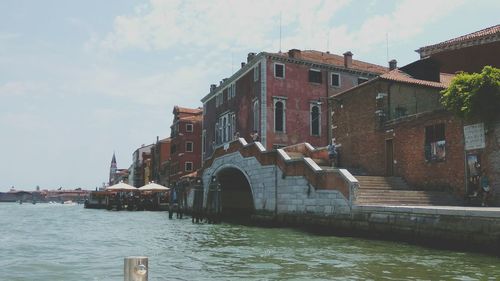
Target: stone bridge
{"type": "Point", "coordinates": [288, 180]}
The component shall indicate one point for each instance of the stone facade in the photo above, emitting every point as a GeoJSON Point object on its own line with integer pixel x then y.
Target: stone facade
{"type": "Point", "coordinates": [279, 191]}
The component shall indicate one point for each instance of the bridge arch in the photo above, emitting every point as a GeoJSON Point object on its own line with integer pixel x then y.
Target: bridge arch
{"type": "Point", "coordinates": [237, 195]}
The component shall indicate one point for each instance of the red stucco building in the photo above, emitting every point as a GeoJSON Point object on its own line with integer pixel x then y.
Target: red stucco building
{"type": "Point", "coordinates": [280, 96]}
{"type": "Point", "coordinates": [185, 142]}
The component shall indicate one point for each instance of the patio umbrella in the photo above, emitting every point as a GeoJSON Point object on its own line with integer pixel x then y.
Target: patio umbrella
{"type": "Point", "coordinates": [120, 187]}
{"type": "Point", "coordinates": [153, 187]}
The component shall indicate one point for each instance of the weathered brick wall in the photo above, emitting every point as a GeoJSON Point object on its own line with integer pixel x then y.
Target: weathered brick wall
{"type": "Point", "coordinates": [356, 129]}
{"type": "Point", "coordinates": [413, 99]}
{"type": "Point", "coordinates": [409, 140]}
{"type": "Point", "coordinates": [493, 160]}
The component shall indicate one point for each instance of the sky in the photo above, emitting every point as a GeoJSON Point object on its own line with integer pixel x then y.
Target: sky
{"type": "Point", "coordinates": [81, 80]}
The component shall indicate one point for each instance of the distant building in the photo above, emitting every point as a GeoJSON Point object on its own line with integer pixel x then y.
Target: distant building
{"type": "Point", "coordinates": [280, 98]}
{"type": "Point", "coordinates": [112, 170]}
{"type": "Point", "coordinates": [185, 142]}
{"type": "Point", "coordinates": [160, 161]}
{"type": "Point", "coordinates": [117, 175]}
{"type": "Point", "coordinates": [138, 165]}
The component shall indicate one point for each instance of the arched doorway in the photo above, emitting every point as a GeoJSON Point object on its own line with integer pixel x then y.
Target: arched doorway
{"type": "Point", "coordinates": [236, 194]}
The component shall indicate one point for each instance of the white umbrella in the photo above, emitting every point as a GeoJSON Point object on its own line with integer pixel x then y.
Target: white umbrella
{"type": "Point", "coordinates": [120, 186]}
{"type": "Point", "coordinates": [154, 187]}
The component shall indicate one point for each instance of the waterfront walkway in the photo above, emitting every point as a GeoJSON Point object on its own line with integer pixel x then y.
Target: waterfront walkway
{"type": "Point", "coordinates": [492, 212]}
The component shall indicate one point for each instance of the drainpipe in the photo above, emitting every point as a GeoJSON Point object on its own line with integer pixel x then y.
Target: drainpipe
{"type": "Point", "coordinates": [329, 133]}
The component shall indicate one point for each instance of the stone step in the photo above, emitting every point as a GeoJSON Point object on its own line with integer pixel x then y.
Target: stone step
{"type": "Point", "coordinates": [400, 192]}
{"type": "Point", "coordinates": [295, 155]}
{"type": "Point", "coordinates": [375, 182]}
{"type": "Point", "coordinates": [416, 203]}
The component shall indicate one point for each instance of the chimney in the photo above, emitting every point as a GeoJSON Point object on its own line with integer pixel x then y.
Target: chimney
{"type": "Point", "coordinates": [393, 64]}
{"type": "Point", "coordinates": [243, 64]}
{"type": "Point", "coordinates": [212, 88]}
{"type": "Point", "coordinates": [348, 59]}
{"type": "Point", "coordinates": [250, 57]}
{"type": "Point", "coordinates": [294, 53]}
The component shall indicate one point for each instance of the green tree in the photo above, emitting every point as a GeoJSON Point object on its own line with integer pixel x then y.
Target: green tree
{"type": "Point", "coordinates": [475, 95]}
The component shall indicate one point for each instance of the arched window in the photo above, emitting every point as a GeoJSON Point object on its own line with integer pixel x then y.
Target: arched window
{"type": "Point", "coordinates": [315, 120]}
{"type": "Point", "coordinates": [256, 115]}
{"type": "Point", "coordinates": [279, 116]}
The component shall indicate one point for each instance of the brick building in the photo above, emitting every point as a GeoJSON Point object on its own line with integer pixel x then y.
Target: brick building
{"type": "Point", "coordinates": [137, 175]}
{"type": "Point", "coordinates": [160, 161]}
{"type": "Point", "coordinates": [395, 124]}
{"type": "Point", "coordinates": [185, 144]}
{"type": "Point", "coordinates": [280, 96]}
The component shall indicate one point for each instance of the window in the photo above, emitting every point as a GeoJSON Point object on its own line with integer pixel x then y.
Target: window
{"type": "Point", "coordinates": [173, 149]}
{"type": "Point", "coordinates": [189, 127]}
{"type": "Point", "coordinates": [256, 73]}
{"type": "Point", "coordinates": [315, 76]}
{"type": "Point", "coordinates": [279, 70]}
{"type": "Point", "coordinates": [362, 80]}
{"type": "Point", "coordinates": [335, 79]}
{"type": "Point", "coordinates": [232, 91]}
{"type": "Point", "coordinates": [189, 146]}
{"type": "Point", "coordinates": [217, 100]}
{"type": "Point", "coordinates": [225, 128]}
{"type": "Point", "coordinates": [435, 144]}
{"type": "Point", "coordinates": [315, 120]}
{"type": "Point", "coordinates": [188, 166]}
{"type": "Point", "coordinates": [279, 115]}
{"type": "Point", "coordinates": [256, 116]}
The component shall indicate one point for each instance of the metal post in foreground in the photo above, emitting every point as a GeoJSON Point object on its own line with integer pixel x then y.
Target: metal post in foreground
{"type": "Point", "coordinates": [136, 269]}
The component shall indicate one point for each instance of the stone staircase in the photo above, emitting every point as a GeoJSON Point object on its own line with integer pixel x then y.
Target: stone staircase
{"type": "Point", "coordinates": [375, 190]}
{"type": "Point", "coordinates": [394, 191]}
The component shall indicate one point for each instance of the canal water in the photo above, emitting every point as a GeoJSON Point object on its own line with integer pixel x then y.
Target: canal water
{"type": "Point", "coordinates": [63, 242]}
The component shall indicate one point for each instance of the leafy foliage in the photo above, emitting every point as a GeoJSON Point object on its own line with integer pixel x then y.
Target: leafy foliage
{"type": "Point", "coordinates": [475, 95]}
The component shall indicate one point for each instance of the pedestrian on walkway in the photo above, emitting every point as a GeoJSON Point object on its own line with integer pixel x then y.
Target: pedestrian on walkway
{"type": "Point", "coordinates": [485, 188]}
{"type": "Point", "coordinates": [332, 153]}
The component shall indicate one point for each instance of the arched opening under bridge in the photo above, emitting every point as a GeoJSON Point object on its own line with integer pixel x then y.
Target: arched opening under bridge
{"type": "Point", "coordinates": [236, 194]}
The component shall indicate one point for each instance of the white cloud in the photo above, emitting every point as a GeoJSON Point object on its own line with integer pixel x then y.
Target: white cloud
{"type": "Point", "coordinates": [409, 18]}
{"type": "Point", "coordinates": [219, 24]}
{"type": "Point", "coordinates": [240, 25]}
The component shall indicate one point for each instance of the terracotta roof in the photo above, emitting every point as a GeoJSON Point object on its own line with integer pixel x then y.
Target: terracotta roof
{"type": "Point", "coordinates": [481, 34]}
{"type": "Point", "coordinates": [400, 76]}
{"type": "Point", "coordinates": [188, 110]}
{"type": "Point", "coordinates": [336, 60]}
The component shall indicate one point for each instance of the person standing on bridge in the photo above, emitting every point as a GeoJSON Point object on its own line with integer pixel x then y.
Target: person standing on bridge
{"type": "Point", "coordinates": [332, 153]}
